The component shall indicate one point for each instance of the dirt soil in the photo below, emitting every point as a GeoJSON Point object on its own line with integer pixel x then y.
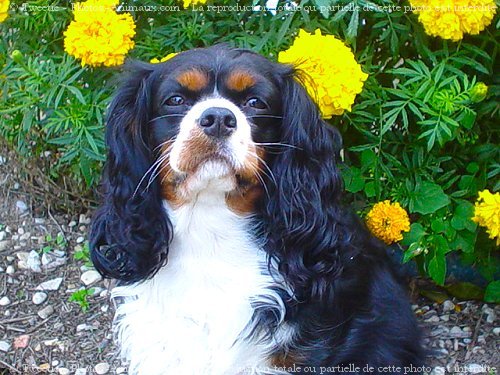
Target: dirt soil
{"type": "Point", "coordinates": [41, 331]}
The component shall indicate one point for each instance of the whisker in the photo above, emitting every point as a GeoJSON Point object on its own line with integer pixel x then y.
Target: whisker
{"type": "Point", "coordinates": [270, 175]}
{"type": "Point", "coordinates": [277, 144]}
{"type": "Point", "coordinates": [164, 143]}
{"type": "Point", "coordinates": [265, 116]}
{"type": "Point", "coordinates": [170, 115]}
{"type": "Point", "coordinates": [153, 167]}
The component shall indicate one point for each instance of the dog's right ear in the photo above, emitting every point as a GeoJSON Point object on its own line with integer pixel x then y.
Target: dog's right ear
{"type": "Point", "coordinates": [131, 231]}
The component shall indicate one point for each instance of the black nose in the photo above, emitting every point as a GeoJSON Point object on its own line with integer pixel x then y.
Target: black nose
{"type": "Point", "coordinates": [218, 122]}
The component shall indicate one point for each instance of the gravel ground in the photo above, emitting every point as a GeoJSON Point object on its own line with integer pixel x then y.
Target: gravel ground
{"type": "Point", "coordinates": [41, 331]}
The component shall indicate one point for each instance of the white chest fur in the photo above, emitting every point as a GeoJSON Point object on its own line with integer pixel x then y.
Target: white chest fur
{"type": "Point", "coordinates": [191, 317]}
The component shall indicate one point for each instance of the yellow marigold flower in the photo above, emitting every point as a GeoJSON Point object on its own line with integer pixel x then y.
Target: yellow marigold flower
{"type": "Point", "coordinates": [98, 35]}
{"type": "Point", "coordinates": [336, 77]}
{"type": "Point", "coordinates": [451, 19]}
{"type": "Point", "coordinates": [487, 213]}
{"type": "Point", "coordinates": [4, 7]}
{"type": "Point", "coordinates": [187, 3]}
{"type": "Point", "coordinates": [478, 92]}
{"type": "Point", "coordinates": [163, 59]}
{"type": "Point", "coordinates": [387, 221]}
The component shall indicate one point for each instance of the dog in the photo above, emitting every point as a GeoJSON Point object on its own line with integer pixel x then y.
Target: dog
{"type": "Point", "coordinates": [222, 217]}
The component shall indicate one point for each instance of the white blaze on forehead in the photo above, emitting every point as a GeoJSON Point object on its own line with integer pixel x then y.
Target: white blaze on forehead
{"type": "Point", "coordinates": [236, 144]}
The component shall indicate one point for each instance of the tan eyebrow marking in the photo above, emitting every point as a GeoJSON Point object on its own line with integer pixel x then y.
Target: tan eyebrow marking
{"type": "Point", "coordinates": [193, 79]}
{"type": "Point", "coordinates": [240, 80]}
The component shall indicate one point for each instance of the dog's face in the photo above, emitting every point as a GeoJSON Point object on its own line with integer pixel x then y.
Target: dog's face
{"type": "Point", "coordinates": [223, 121]}
{"type": "Point", "coordinates": [213, 114]}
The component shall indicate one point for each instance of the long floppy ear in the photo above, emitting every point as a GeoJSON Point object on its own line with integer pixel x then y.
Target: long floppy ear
{"type": "Point", "coordinates": [302, 210]}
{"type": "Point", "coordinates": [131, 231]}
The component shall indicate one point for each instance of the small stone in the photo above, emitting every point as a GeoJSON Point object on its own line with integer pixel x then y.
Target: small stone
{"type": "Point", "coordinates": [491, 317]}
{"type": "Point", "coordinates": [80, 239]}
{"type": "Point", "coordinates": [4, 245]}
{"type": "Point", "coordinates": [38, 347]}
{"type": "Point", "coordinates": [53, 284]}
{"type": "Point", "coordinates": [90, 277]}
{"type": "Point", "coordinates": [83, 327]}
{"type": "Point", "coordinates": [445, 318]}
{"type": "Point", "coordinates": [51, 261]}
{"type": "Point", "coordinates": [84, 219]}
{"type": "Point", "coordinates": [448, 306]}
{"type": "Point", "coordinates": [4, 346]}
{"type": "Point", "coordinates": [44, 367]}
{"type": "Point", "coordinates": [46, 312]}
{"type": "Point", "coordinates": [2, 269]}
{"type": "Point", "coordinates": [72, 223]}
{"type": "Point", "coordinates": [25, 237]}
{"type": "Point", "coordinates": [101, 368]}
{"type": "Point", "coordinates": [39, 220]}
{"type": "Point", "coordinates": [3, 160]}
{"type": "Point", "coordinates": [51, 342]}
{"type": "Point", "coordinates": [496, 331]}
{"type": "Point", "coordinates": [20, 231]}
{"type": "Point", "coordinates": [433, 319]}
{"type": "Point", "coordinates": [63, 371]}
{"type": "Point", "coordinates": [21, 342]}
{"type": "Point", "coordinates": [4, 301]}
{"type": "Point", "coordinates": [39, 298]}
{"type": "Point", "coordinates": [10, 270]}
{"type": "Point", "coordinates": [16, 186]}
{"type": "Point", "coordinates": [81, 371]}
{"type": "Point", "coordinates": [3, 234]}
{"type": "Point", "coordinates": [21, 207]}
{"type": "Point", "coordinates": [475, 368]}
{"type": "Point", "coordinates": [467, 341]}
{"type": "Point", "coordinates": [33, 261]}
{"type": "Point", "coordinates": [456, 332]}
{"type": "Point", "coordinates": [105, 308]}
{"type": "Point", "coordinates": [438, 370]}
{"type": "Point", "coordinates": [121, 370]}
{"type": "Point", "coordinates": [54, 363]}
{"type": "Point", "coordinates": [104, 293]}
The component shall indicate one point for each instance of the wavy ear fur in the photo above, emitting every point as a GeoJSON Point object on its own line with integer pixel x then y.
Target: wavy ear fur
{"type": "Point", "coordinates": [308, 231]}
{"type": "Point", "coordinates": [131, 231]}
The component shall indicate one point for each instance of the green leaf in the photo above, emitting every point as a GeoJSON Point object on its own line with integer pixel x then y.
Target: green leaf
{"type": "Point", "coordinates": [465, 241]}
{"type": "Point", "coordinates": [412, 252]}
{"type": "Point", "coordinates": [465, 291]}
{"type": "Point", "coordinates": [415, 234]}
{"type": "Point", "coordinates": [370, 190]}
{"type": "Point", "coordinates": [437, 269]}
{"type": "Point", "coordinates": [428, 198]}
{"type": "Point", "coordinates": [353, 180]}
{"type": "Point", "coordinates": [492, 292]}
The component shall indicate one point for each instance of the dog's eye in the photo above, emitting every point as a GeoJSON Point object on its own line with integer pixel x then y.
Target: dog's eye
{"type": "Point", "coordinates": [175, 100]}
{"type": "Point", "coordinates": [255, 103]}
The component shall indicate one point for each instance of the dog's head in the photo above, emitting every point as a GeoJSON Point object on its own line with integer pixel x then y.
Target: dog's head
{"type": "Point", "coordinates": [222, 119]}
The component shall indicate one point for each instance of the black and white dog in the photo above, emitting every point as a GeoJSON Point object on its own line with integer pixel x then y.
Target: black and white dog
{"type": "Point", "coordinates": [222, 217]}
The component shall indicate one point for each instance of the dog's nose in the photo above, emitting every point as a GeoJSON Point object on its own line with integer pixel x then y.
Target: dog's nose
{"type": "Point", "coordinates": [218, 122]}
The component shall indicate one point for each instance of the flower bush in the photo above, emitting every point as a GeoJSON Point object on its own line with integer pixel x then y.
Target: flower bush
{"type": "Point", "coordinates": [410, 87]}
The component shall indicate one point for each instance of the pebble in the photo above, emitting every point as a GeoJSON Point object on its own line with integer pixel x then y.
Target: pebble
{"type": "Point", "coordinates": [21, 207]}
{"type": "Point", "coordinates": [39, 298]}
{"type": "Point", "coordinates": [16, 186]}
{"type": "Point", "coordinates": [445, 318]}
{"type": "Point", "coordinates": [51, 342]}
{"type": "Point", "coordinates": [438, 370]}
{"type": "Point", "coordinates": [72, 223]}
{"type": "Point", "coordinates": [10, 270]}
{"type": "Point", "coordinates": [84, 219]}
{"type": "Point", "coordinates": [33, 262]}
{"type": "Point", "coordinates": [83, 327]}
{"type": "Point", "coordinates": [81, 371]}
{"type": "Point", "coordinates": [448, 306]}
{"type": "Point", "coordinates": [433, 319]}
{"type": "Point", "coordinates": [39, 220]}
{"type": "Point", "coordinates": [90, 277]}
{"type": "Point", "coordinates": [63, 371]}
{"type": "Point", "coordinates": [21, 342]}
{"type": "Point", "coordinates": [44, 367]}
{"type": "Point", "coordinates": [456, 332]}
{"type": "Point", "coordinates": [3, 234]}
{"type": "Point", "coordinates": [496, 331]}
{"type": "Point", "coordinates": [1, 269]}
{"type": "Point", "coordinates": [20, 231]}
{"type": "Point", "coordinates": [3, 160]}
{"type": "Point", "coordinates": [4, 301]}
{"type": "Point", "coordinates": [53, 284]}
{"type": "Point", "coordinates": [4, 245]}
{"type": "Point", "coordinates": [51, 261]}
{"type": "Point", "coordinates": [121, 370]}
{"type": "Point", "coordinates": [101, 368]}
{"type": "Point", "coordinates": [80, 239]}
{"type": "Point", "coordinates": [46, 312]}
{"type": "Point", "coordinates": [4, 346]}
{"type": "Point", "coordinates": [475, 368]}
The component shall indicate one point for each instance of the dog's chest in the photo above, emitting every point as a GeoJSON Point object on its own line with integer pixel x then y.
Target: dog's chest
{"type": "Point", "coordinates": [194, 315]}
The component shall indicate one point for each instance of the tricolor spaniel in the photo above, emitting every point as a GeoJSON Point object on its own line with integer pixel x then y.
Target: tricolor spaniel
{"type": "Point", "coordinates": [222, 217]}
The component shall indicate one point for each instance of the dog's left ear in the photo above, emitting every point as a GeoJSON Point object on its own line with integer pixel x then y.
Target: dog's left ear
{"type": "Point", "coordinates": [302, 209]}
